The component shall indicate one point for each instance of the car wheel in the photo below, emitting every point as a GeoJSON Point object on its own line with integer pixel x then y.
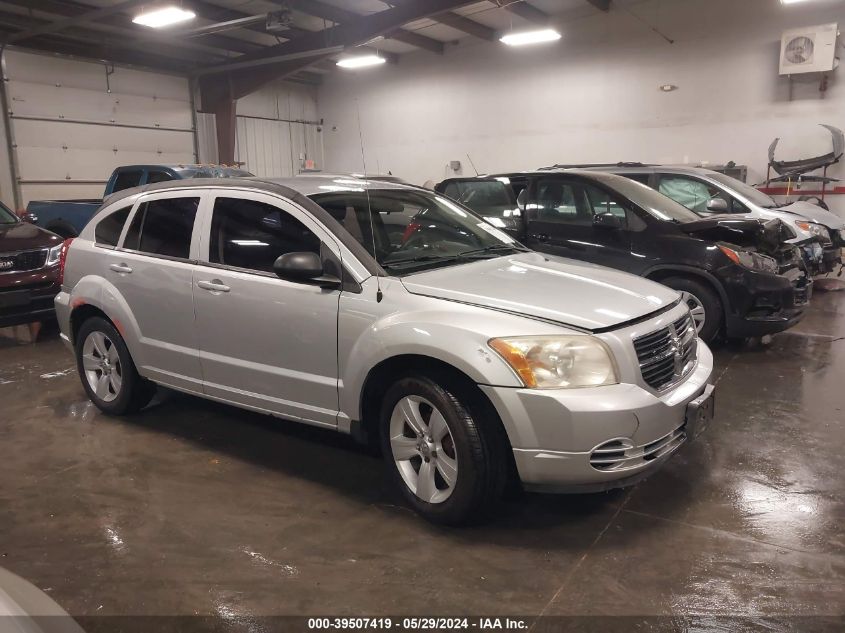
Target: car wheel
{"type": "Point", "coordinates": [704, 305]}
{"type": "Point", "coordinates": [448, 462]}
{"type": "Point", "coordinates": [108, 374]}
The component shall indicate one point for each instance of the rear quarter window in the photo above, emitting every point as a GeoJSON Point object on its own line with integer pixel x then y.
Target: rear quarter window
{"type": "Point", "coordinates": [108, 230]}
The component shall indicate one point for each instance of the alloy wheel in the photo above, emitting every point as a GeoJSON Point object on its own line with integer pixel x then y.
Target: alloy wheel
{"type": "Point", "coordinates": [696, 308]}
{"type": "Point", "coordinates": [102, 367]}
{"type": "Point", "coordinates": [423, 449]}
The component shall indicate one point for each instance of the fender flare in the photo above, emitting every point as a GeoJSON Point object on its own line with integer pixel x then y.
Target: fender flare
{"type": "Point", "coordinates": [692, 271]}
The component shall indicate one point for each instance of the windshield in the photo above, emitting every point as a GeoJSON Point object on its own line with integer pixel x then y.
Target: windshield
{"type": "Point", "coordinates": [411, 230]}
{"type": "Point", "coordinates": [746, 191]}
{"type": "Point", "coordinates": [656, 204]}
{"type": "Point", "coordinates": [6, 216]}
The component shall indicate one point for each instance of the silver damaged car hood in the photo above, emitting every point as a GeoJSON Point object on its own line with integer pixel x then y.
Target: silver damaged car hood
{"type": "Point", "coordinates": [569, 292]}
{"type": "Point", "coordinates": [814, 213]}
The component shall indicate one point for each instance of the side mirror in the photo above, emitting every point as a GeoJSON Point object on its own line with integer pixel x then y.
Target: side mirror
{"type": "Point", "coordinates": [717, 205]}
{"type": "Point", "coordinates": [303, 268]}
{"type": "Point", "coordinates": [607, 221]}
{"type": "Point", "coordinates": [29, 218]}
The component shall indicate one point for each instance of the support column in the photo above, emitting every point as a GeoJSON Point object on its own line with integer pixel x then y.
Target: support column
{"type": "Point", "coordinates": [224, 114]}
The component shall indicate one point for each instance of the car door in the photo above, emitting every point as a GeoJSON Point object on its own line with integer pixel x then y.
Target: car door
{"type": "Point", "coordinates": [616, 246]}
{"type": "Point", "coordinates": [559, 219]}
{"type": "Point", "coordinates": [265, 342]}
{"type": "Point", "coordinates": [152, 271]}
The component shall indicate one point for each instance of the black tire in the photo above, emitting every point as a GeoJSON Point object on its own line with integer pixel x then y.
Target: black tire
{"type": "Point", "coordinates": [478, 442]}
{"type": "Point", "coordinates": [713, 310]}
{"type": "Point", "coordinates": [135, 392]}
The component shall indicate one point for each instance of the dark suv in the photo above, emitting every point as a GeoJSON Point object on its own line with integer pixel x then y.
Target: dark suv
{"type": "Point", "coordinates": [737, 275]}
{"type": "Point", "coordinates": [29, 266]}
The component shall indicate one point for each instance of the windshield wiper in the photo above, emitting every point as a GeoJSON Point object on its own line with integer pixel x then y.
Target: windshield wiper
{"type": "Point", "coordinates": [495, 248]}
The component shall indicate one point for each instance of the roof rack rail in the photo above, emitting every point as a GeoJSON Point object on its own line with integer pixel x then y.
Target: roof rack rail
{"type": "Point", "coordinates": [591, 165]}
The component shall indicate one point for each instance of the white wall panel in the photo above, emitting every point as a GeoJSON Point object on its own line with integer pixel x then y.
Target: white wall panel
{"type": "Point", "coordinates": [594, 96]}
{"type": "Point", "coordinates": [277, 130]}
{"type": "Point", "coordinates": [72, 122]}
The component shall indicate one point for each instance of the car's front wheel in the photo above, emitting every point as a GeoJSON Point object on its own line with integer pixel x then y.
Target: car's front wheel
{"type": "Point", "coordinates": [444, 453]}
{"type": "Point", "coordinates": [108, 374]}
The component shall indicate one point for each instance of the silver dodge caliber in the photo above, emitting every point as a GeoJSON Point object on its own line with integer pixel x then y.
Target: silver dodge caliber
{"type": "Point", "coordinates": [393, 314]}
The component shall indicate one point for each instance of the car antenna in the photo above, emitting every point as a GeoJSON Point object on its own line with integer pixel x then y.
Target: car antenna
{"type": "Point", "coordinates": [473, 164]}
{"type": "Point", "coordinates": [379, 293]}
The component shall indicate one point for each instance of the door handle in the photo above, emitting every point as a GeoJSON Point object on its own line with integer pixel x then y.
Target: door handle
{"type": "Point", "coordinates": [214, 285]}
{"type": "Point", "coordinates": [120, 268]}
{"type": "Point", "coordinates": [540, 237]}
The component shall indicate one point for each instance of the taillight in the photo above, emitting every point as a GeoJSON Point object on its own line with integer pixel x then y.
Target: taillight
{"type": "Point", "coordinates": [63, 259]}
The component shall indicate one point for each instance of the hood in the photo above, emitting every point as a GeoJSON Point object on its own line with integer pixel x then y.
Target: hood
{"type": "Point", "coordinates": [23, 236]}
{"type": "Point", "coordinates": [765, 236]}
{"type": "Point", "coordinates": [814, 213]}
{"type": "Point", "coordinates": [568, 292]}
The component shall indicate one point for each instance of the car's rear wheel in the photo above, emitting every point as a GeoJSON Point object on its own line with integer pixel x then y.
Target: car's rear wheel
{"type": "Point", "coordinates": [703, 303]}
{"type": "Point", "coordinates": [108, 374]}
{"type": "Point", "coordinates": [443, 453]}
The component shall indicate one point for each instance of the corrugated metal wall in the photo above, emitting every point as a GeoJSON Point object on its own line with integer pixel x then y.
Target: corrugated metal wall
{"type": "Point", "coordinates": [278, 130]}
{"type": "Point", "coordinates": [73, 122]}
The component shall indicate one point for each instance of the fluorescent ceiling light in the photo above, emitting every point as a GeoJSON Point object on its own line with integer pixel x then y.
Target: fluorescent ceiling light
{"type": "Point", "coordinates": [361, 61]}
{"type": "Point", "coordinates": [530, 37]}
{"type": "Point", "coordinates": [164, 16]}
{"type": "Point", "coordinates": [791, 1]}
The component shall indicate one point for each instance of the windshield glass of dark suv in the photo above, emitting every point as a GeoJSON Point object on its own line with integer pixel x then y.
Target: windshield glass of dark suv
{"type": "Point", "coordinates": [409, 230]}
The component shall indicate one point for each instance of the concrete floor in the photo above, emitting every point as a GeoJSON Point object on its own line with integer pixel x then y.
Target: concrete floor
{"type": "Point", "coordinates": [196, 508]}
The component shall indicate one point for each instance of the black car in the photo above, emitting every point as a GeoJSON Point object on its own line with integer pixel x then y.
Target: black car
{"type": "Point", "coordinates": [738, 276]}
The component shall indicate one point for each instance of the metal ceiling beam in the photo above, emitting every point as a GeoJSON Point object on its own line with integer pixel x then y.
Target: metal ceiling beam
{"type": "Point", "coordinates": [221, 27]}
{"type": "Point", "coordinates": [601, 5]}
{"type": "Point", "coordinates": [350, 34]}
{"type": "Point", "coordinates": [320, 9]}
{"type": "Point", "coordinates": [463, 23]}
{"type": "Point", "coordinates": [122, 26]}
{"type": "Point", "coordinates": [413, 38]}
{"type": "Point", "coordinates": [457, 21]}
{"type": "Point", "coordinates": [77, 20]}
{"type": "Point", "coordinates": [92, 34]}
{"type": "Point", "coordinates": [527, 12]}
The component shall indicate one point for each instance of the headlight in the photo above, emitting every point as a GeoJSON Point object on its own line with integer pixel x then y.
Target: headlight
{"type": "Point", "coordinates": [53, 255]}
{"type": "Point", "coordinates": [555, 362]}
{"type": "Point", "coordinates": [754, 261]}
{"type": "Point", "coordinates": [816, 230]}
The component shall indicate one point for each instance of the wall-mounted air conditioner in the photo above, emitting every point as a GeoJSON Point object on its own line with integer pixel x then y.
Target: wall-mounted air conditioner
{"type": "Point", "coordinates": [809, 50]}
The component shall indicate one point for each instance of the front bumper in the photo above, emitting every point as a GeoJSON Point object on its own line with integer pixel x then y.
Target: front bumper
{"type": "Point", "coordinates": [27, 297]}
{"type": "Point", "coordinates": [555, 434]}
{"type": "Point", "coordinates": [761, 303]}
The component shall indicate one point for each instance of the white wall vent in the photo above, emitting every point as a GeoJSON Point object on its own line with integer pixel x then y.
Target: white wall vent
{"type": "Point", "coordinates": [810, 49]}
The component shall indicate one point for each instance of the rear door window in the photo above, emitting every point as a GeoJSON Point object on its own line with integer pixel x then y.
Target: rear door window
{"type": "Point", "coordinates": [108, 230]}
{"type": "Point", "coordinates": [252, 235]}
{"type": "Point", "coordinates": [127, 179]}
{"type": "Point", "coordinates": [163, 227]}
{"type": "Point", "coordinates": [559, 201]}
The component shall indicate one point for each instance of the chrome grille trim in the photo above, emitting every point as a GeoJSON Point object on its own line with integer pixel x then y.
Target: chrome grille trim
{"type": "Point", "coordinates": [621, 454]}
{"type": "Point", "coordinates": [667, 355]}
{"type": "Point", "coordinates": [23, 261]}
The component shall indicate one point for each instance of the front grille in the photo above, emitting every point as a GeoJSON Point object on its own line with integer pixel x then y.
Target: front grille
{"type": "Point", "coordinates": [18, 262]}
{"type": "Point", "coordinates": [668, 354]}
{"type": "Point", "coordinates": [621, 454]}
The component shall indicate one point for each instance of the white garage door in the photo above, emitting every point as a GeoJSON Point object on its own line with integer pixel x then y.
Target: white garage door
{"type": "Point", "coordinates": [73, 122]}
